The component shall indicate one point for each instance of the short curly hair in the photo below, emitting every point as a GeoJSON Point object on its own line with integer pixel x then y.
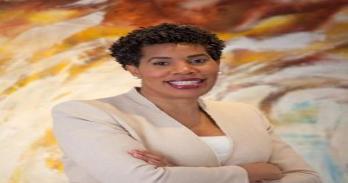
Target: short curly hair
{"type": "Point", "coordinates": [127, 50]}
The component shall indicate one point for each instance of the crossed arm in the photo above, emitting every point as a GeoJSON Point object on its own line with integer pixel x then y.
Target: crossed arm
{"type": "Point", "coordinates": [256, 171]}
{"type": "Point", "coordinates": [284, 165]}
{"type": "Point", "coordinates": [92, 139]}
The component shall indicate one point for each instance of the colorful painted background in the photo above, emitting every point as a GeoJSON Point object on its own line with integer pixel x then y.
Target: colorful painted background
{"type": "Point", "coordinates": [287, 57]}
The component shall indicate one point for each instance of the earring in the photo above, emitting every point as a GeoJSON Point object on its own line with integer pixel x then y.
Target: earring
{"type": "Point", "coordinates": [220, 72]}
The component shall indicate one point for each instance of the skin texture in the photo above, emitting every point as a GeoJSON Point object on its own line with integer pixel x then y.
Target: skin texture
{"type": "Point", "coordinates": [160, 65]}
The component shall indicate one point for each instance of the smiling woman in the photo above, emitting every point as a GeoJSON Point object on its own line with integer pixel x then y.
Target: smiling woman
{"type": "Point", "coordinates": [175, 70]}
{"type": "Point", "coordinates": [162, 131]}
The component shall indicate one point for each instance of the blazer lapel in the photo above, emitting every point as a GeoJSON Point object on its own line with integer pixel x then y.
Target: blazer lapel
{"type": "Point", "coordinates": [240, 124]}
{"type": "Point", "coordinates": [160, 132]}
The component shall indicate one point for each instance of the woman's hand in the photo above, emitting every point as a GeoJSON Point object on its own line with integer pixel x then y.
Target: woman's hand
{"type": "Point", "coordinates": [262, 171]}
{"type": "Point", "coordinates": [150, 157]}
{"type": "Point", "coordinates": [256, 171]}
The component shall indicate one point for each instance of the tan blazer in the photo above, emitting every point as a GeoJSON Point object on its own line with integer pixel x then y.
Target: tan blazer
{"type": "Point", "coordinates": [95, 136]}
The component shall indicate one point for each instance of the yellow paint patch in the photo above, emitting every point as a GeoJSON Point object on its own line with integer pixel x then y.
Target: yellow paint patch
{"type": "Point", "coordinates": [51, 16]}
{"type": "Point", "coordinates": [42, 54]}
{"type": "Point", "coordinates": [55, 164]}
{"type": "Point", "coordinates": [53, 161]}
{"type": "Point", "coordinates": [241, 57]}
{"type": "Point", "coordinates": [83, 36]}
{"type": "Point", "coordinates": [47, 140]}
{"type": "Point", "coordinates": [47, 143]}
{"type": "Point", "coordinates": [273, 25]}
{"type": "Point", "coordinates": [228, 36]}
{"type": "Point", "coordinates": [76, 70]}
{"type": "Point", "coordinates": [98, 32]}
{"type": "Point", "coordinates": [16, 176]}
{"type": "Point", "coordinates": [276, 21]}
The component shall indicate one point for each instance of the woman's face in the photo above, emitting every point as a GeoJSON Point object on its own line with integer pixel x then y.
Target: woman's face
{"type": "Point", "coordinates": [175, 71]}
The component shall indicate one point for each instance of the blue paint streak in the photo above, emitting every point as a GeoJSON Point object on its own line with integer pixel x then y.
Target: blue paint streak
{"type": "Point", "coordinates": [315, 149]}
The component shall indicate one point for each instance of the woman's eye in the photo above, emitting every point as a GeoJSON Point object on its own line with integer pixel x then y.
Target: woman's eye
{"type": "Point", "coordinates": [198, 61]}
{"type": "Point", "coordinates": [160, 63]}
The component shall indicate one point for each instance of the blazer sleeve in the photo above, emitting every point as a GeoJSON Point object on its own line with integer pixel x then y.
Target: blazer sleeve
{"type": "Point", "coordinates": [292, 165]}
{"type": "Point", "coordinates": [97, 143]}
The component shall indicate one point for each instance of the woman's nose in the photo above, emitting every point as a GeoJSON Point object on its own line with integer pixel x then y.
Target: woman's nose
{"type": "Point", "coordinates": [184, 68]}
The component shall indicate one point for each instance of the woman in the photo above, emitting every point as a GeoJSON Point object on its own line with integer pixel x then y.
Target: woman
{"type": "Point", "coordinates": [162, 132]}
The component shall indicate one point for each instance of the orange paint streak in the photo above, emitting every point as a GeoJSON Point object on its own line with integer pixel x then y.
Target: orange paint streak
{"type": "Point", "coordinates": [43, 54]}
{"type": "Point", "coordinates": [13, 22]}
{"type": "Point", "coordinates": [338, 31]}
{"type": "Point", "coordinates": [89, 34]}
{"type": "Point", "coordinates": [21, 83]}
{"type": "Point", "coordinates": [340, 52]}
{"type": "Point", "coordinates": [76, 70]}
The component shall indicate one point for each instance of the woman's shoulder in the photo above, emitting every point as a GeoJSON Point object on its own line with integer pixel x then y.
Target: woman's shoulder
{"type": "Point", "coordinates": [79, 109]}
{"type": "Point", "coordinates": [98, 103]}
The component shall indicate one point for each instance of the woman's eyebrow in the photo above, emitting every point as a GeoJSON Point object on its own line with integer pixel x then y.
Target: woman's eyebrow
{"type": "Point", "coordinates": [168, 58]}
{"type": "Point", "coordinates": [153, 58]}
{"type": "Point", "coordinates": [198, 55]}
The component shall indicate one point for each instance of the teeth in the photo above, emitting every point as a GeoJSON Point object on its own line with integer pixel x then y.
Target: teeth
{"type": "Point", "coordinates": [184, 82]}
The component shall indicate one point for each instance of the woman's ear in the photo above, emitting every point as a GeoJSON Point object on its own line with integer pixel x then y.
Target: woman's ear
{"type": "Point", "coordinates": [133, 70]}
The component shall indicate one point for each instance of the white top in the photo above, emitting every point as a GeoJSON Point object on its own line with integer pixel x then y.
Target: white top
{"type": "Point", "coordinates": [220, 145]}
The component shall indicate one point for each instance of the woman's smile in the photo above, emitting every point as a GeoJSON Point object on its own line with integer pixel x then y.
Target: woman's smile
{"type": "Point", "coordinates": [190, 83]}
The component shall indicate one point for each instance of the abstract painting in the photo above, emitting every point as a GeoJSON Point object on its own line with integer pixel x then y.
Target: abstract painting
{"type": "Point", "coordinates": [287, 57]}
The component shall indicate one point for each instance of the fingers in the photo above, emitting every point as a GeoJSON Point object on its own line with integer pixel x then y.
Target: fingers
{"type": "Point", "coordinates": [149, 157]}
{"type": "Point", "coordinates": [262, 171]}
{"type": "Point", "coordinates": [275, 172]}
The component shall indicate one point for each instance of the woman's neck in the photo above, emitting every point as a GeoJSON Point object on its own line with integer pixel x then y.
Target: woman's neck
{"type": "Point", "coordinates": [184, 110]}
